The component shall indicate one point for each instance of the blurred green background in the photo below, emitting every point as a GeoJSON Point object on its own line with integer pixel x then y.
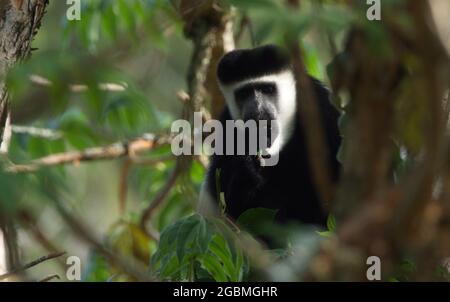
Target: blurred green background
{"type": "Point", "coordinates": [140, 45]}
{"type": "Point", "coordinates": [141, 48]}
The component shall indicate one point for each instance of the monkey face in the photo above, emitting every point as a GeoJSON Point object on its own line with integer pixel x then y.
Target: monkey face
{"type": "Point", "coordinates": [259, 85]}
{"type": "Point", "coordinates": [257, 101]}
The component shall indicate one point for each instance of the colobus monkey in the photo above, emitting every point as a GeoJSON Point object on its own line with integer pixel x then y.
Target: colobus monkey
{"type": "Point", "coordinates": [259, 84]}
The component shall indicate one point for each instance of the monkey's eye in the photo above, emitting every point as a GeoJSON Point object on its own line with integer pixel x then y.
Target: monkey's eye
{"type": "Point", "coordinates": [269, 89]}
{"type": "Point", "coordinates": [244, 93]}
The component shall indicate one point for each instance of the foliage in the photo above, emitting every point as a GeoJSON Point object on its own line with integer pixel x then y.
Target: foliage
{"type": "Point", "coordinates": [142, 48]}
{"type": "Point", "coordinates": [194, 248]}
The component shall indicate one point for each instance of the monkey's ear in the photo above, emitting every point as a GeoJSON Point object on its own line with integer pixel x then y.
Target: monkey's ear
{"type": "Point", "coordinates": [17, 4]}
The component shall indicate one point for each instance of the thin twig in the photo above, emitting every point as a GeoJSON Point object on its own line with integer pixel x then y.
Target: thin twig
{"type": "Point", "coordinates": [152, 161]}
{"type": "Point", "coordinates": [31, 264]}
{"type": "Point", "coordinates": [123, 185]}
{"type": "Point", "coordinates": [118, 150]}
{"type": "Point", "coordinates": [38, 132]}
{"type": "Point", "coordinates": [29, 222]}
{"type": "Point", "coordinates": [447, 107]}
{"type": "Point", "coordinates": [315, 134]}
{"type": "Point", "coordinates": [10, 241]}
{"type": "Point", "coordinates": [159, 199]}
{"type": "Point", "coordinates": [310, 114]}
{"type": "Point", "coordinates": [126, 264]}
{"type": "Point", "coordinates": [246, 23]}
{"type": "Point", "coordinates": [7, 132]}
{"type": "Point", "coordinates": [329, 36]}
{"type": "Point", "coordinates": [203, 160]}
{"type": "Point", "coordinates": [77, 88]}
{"type": "Point", "coordinates": [50, 277]}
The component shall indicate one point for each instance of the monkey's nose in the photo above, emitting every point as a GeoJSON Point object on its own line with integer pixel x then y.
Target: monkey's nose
{"type": "Point", "coordinates": [258, 111]}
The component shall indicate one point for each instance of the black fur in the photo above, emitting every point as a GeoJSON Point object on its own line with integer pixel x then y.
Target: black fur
{"type": "Point", "coordinates": [287, 186]}
{"type": "Point", "coordinates": [242, 64]}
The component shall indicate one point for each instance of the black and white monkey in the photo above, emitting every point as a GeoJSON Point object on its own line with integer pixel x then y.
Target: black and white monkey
{"type": "Point", "coordinates": [259, 84]}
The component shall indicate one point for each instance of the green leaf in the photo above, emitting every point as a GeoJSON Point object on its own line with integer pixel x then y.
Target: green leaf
{"type": "Point", "coordinates": [77, 130]}
{"type": "Point", "coordinates": [192, 232]}
{"type": "Point", "coordinates": [197, 172]}
{"type": "Point", "coordinates": [127, 15]}
{"type": "Point", "coordinates": [407, 266]}
{"type": "Point", "coordinates": [220, 249]}
{"type": "Point", "coordinates": [97, 269]}
{"type": "Point", "coordinates": [240, 265]}
{"type": "Point", "coordinates": [109, 23]}
{"type": "Point", "coordinates": [196, 247]}
{"type": "Point", "coordinates": [312, 61]}
{"type": "Point", "coordinates": [335, 18]}
{"type": "Point", "coordinates": [325, 234]}
{"type": "Point", "coordinates": [255, 4]}
{"type": "Point", "coordinates": [185, 240]}
{"type": "Point", "coordinates": [331, 223]}
{"type": "Point", "coordinates": [256, 219]}
{"type": "Point", "coordinates": [213, 267]}
{"type": "Point", "coordinates": [220, 197]}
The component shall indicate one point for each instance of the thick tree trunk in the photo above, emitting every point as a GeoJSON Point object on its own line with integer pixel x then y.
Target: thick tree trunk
{"type": "Point", "coordinates": [19, 21]}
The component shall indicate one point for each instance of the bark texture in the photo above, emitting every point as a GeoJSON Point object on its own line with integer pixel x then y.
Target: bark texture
{"type": "Point", "coordinates": [19, 22]}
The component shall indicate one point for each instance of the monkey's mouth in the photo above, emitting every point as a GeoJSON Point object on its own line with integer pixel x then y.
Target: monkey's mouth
{"type": "Point", "coordinates": [264, 137]}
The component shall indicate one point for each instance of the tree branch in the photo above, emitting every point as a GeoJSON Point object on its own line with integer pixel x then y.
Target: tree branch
{"type": "Point", "coordinates": [160, 197]}
{"type": "Point", "coordinates": [126, 264]}
{"type": "Point", "coordinates": [19, 24]}
{"type": "Point", "coordinates": [50, 277]}
{"type": "Point", "coordinates": [77, 88]}
{"type": "Point", "coordinates": [31, 264]}
{"type": "Point", "coordinates": [130, 148]}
